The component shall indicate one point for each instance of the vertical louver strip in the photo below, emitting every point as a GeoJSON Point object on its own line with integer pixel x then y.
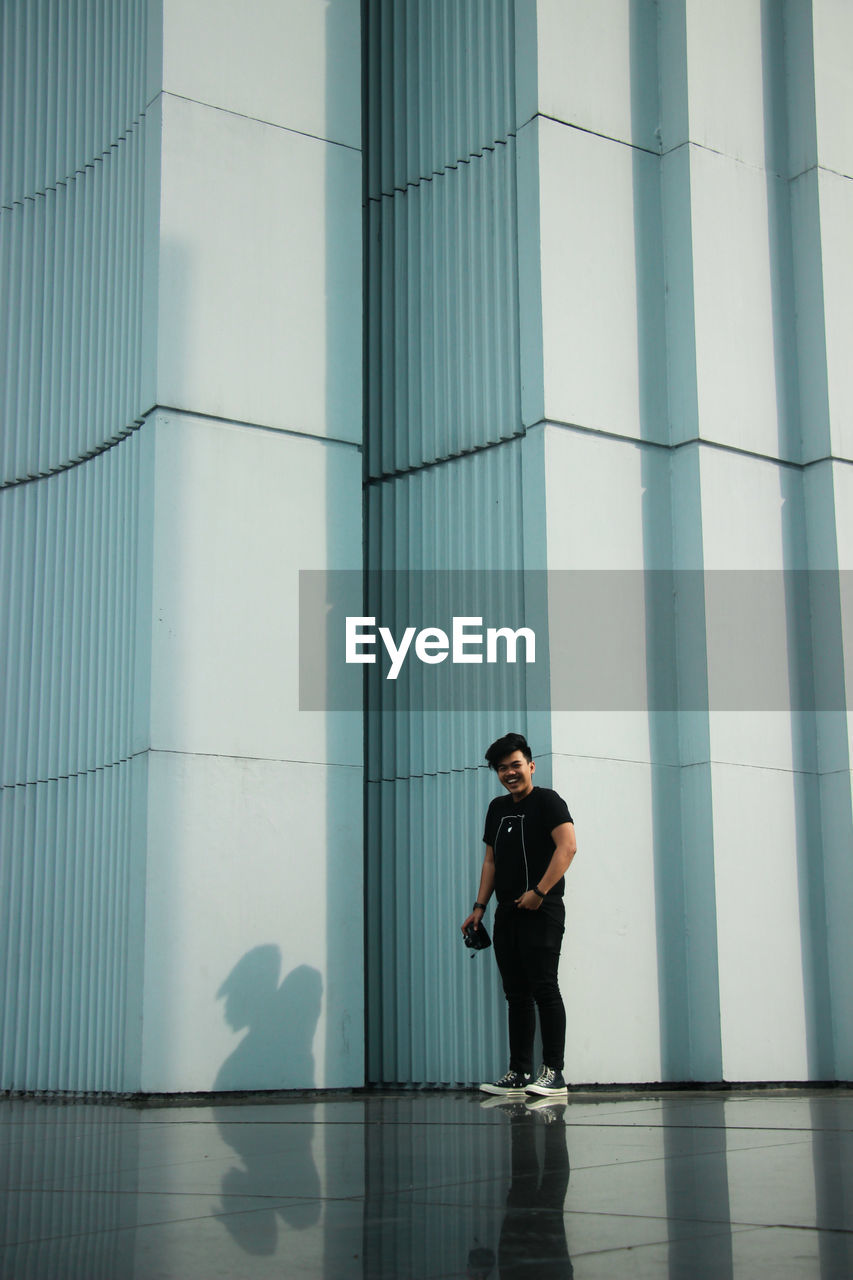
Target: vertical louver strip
{"type": "Point", "coordinates": [442, 361]}
{"type": "Point", "coordinates": [70, 773]}
{"type": "Point", "coordinates": [428, 787]}
{"type": "Point", "coordinates": [72, 231]}
{"type": "Point", "coordinates": [70, 266]}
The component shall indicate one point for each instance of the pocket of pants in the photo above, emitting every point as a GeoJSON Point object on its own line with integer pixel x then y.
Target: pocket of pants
{"type": "Point", "coordinates": [545, 933]}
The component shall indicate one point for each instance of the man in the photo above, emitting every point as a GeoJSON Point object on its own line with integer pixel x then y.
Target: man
{"type": "Point", "coordinates": [530, 842]}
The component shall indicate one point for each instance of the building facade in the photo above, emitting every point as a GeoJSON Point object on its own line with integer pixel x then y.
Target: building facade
{"type": "Point", "coordinates": [518, 288]}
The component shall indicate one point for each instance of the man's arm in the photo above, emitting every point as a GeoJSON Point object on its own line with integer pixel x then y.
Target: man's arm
{"type": "Point", "coordinates": [566, 846]}
{"type": "Point", "coordinates": [486, 889]}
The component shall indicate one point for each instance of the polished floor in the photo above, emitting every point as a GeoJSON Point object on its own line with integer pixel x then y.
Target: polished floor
{"type": "Point", "coordinates": [680, 1185]}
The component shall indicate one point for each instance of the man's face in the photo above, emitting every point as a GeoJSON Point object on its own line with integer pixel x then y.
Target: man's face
{"type": "Point", "coordinates": [516, 774]}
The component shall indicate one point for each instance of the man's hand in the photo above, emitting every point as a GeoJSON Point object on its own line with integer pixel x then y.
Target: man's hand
{"type": "Point", "coordinates": [474, 919]}
{"type": "Point", "coordinates": [529, 901]}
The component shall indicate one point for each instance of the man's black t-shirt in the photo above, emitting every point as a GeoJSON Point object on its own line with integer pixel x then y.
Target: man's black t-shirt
{"type": "Point", "coordinates": [520, 835]}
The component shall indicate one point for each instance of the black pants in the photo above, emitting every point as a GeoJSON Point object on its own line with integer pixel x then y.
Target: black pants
{"type": "Point", "coordinates": [527, 949]}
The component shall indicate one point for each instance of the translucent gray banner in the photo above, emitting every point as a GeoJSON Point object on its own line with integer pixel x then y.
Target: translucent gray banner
{"type": "Point", "coordinates": [654, 640]}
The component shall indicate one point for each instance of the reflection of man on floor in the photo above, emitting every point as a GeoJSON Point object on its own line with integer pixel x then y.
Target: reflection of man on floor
{"type": "Point", "coordinates": [275, 1053]}
{"type": "Point", "coordinates": [533, 1233]}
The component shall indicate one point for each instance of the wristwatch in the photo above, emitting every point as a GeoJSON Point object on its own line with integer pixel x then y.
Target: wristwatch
{"type": "Point", "coordinates": [479, 906]}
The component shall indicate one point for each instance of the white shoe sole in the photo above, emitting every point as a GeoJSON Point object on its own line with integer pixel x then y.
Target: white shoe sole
{"type": "Point", "coordinates": [546, 1106]}
{"type": "Point", "coordinates": [502, 1093]}
{"type": "Point", "coordinates": [542, 1092]}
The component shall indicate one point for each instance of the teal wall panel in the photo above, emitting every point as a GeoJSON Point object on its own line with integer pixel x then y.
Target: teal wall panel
{"type": "Point", "coordinates": [75, 162]}
{"type": "Point", "coordinates": [75, 178]}
{"type": "Point", "coordinates": [439, 87]}
{"type": "Point", "coordinates": [73, 775]}
{"type": "Point", "coordinates": [427, 783]}
{"type": "Point", "coordinates": [444, 491]}
{"type": "Point", "coordinates": [442, 319]}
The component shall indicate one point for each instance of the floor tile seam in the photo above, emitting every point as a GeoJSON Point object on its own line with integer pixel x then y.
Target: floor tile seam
{"type": "Point", "coordinates": [677, 1157]}
{"type": "Point", "coordinates": [289, 1198]}
{"type": "Point", "coordinates": [666, 1158]}
{"type": "Point", "coordinates": [723, 1223]}
{"type": "Point", "coordinates": [498, 1179]}
{"type": "Point", "coordinates": [277, 1202]}
{"type": "Point", "coordinates": [420, 1201]}
{"type": "Point", "coordinates": [815, 1228]}
{"type": "Point", "coordinates": [417, 1202]}
{"type": "Point", "coordinates": [736, 1224]}
{"type": "Point", "coordinates": [711, 1128]}
{"type": "Point", "coordinates": [656, 1244]}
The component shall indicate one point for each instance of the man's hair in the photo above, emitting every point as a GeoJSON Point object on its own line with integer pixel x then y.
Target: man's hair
{"type": "Point", "coordinates": [505, 746]}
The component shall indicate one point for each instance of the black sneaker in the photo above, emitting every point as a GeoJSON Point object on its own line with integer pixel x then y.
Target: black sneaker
{"type": "Point", "coordinates": [512, 1085]}
{"type": "Point", "coordinates": [549, 1084]}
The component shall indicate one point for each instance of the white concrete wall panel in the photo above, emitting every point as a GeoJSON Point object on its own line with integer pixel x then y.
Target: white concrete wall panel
{"type": "Point", "coordinates": [609, 963]}
{"type": "Point", "coordinates": [255, 807]}
{"type": "Point", "coordinates": [260, 273]}
{"type": "Point", "coordinates": [842, 488]}
{"type": "Point", "coordinates": [760, 931]}
{"type": "Point", "coordinates": [733, 296]}
{"type": "Point", "coordinates": [607, 502]}
{"type": "Point", "coordinates": [832, 35]}
{"type": "Point", "coordinates": [293, 64]}
{"type": "Point", "coordinates": [753, 529]}
{"type": "Point", "coordinates": [724, 45]}
{"type": "Point", "coordinates": [607, 505]}
{"type": "Point", "coordinates": [238, 514]}
{"type": "Point", "coordinates": [597, 67]}
{"type": "Point", "coordinates": [254, 855]}
{"type": "Point", "coordinates": [607, 508]}
{"type": "Point", "coordinates": [762, 766]}
{"type": "Point", "coordinates": [253, 885]}
{"type": "Point", "coordinates": [752, 513]}
{"type": "Point", "coordinates": [597, 198]}
{"type": "Point", "coordinates": [836, 218]}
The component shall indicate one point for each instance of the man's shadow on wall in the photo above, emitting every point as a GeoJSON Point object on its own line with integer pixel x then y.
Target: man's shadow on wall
{"type": "Point", "coordinates": [280, 1020]}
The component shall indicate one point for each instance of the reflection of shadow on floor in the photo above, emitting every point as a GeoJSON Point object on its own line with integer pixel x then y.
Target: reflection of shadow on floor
{"type": "Point", "coordinates": [275, 1053]}
{"type": "Point", "coordinates": [533, 1232]}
